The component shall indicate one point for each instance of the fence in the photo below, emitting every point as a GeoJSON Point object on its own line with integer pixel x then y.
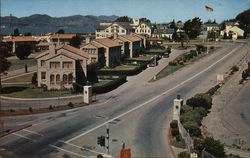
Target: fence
{"type": "Point", "coordinates": [186, 136]}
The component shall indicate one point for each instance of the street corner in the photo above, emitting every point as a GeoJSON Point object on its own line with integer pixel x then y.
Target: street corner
{"type": "Point", "coordinates": [10, 128]}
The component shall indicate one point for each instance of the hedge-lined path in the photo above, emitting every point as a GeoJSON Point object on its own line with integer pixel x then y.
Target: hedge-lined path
{"type": "Point", "coordinates": [140, 80]}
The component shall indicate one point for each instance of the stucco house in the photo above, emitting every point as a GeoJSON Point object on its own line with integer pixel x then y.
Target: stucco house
{"type": "Point", "coordinates": [114, 29]}
{"type": "Point", "coordinates": [61, 66]}
{"type": "Point", "coordinates": [134, 44]}
{"type": "Point", "coordinates": [163, 33]}
{"type": "Point", "coordinates": [106, 46]}
{"type": "Point", "coordinates": [61, 38]}
{"type": "Point", "coordinates": [144, 29]}
{"type": "Point", "coordinates": [20, 40]}
{"type": "Point", "coordinates": [211, 27]}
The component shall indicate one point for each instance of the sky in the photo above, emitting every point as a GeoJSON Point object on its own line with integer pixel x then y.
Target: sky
{"type": "Point", "coordinates": [156, 10]}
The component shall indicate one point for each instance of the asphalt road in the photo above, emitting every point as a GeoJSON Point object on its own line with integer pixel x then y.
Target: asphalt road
{"type": "Point", "coordinates": [138, 114]}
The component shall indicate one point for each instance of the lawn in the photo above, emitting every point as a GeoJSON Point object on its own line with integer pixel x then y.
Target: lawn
{"type": "Point", "coordinates": [27, 91]}
{"type": "Point", "coordinates": [24, 78]}
{"type": "Point", "coordinates": [19, 64]}
{"type": "Point", "coordinates": [101, 83]}
{"type": "Point", "coordinates": [141, 58]}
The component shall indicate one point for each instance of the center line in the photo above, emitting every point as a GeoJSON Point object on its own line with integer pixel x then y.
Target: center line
{"type": "Point", "coordinates": [158, 96]}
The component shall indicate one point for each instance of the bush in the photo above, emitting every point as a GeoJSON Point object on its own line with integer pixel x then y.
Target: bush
{"type": "Point", "coordinates": [50, 107]}
{"type": "Point", "coordinates": [193, 128]}
{"type": "Point", "coordinates": [175, 132]}
{"type": "Point", "coordinates": [174, 124]}
{"type": "Point", "coordinates": [110, 85]}
{"type": "Point", "coordinates": [202, 111]}
{"type": "Point", "coordinates": [191, 116]}
{"type": "Point", "coordinates": [183, 154]}
{"type": "Point", "coordinates": [214, 147]}
{"type": "Point", "coordinates": [34, 79]}
{"type": "Point", "coordinates": [77, 88]}
{"type": "Point", "coordinates": [30, 109]}
{"type": "Point", "coordinates": [212, 90]}
{"type": "Point", "coordinates": [235, 68]}
{"type": "Point", "coordinates": [172, 63]}
{"type": "Point", "coordinates": [200, 48]}
{"type": "Point", "coordinates": [70, 104]}
{"type": "Point", "coordinates": [200, 100]}
{"type": "Point", "coordinates": [198, 143]}
{"type": "Point", "coordinates": [186, 108]}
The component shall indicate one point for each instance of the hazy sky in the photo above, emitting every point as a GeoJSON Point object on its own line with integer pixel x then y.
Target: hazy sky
{"type": "Point", "coordinates": [156, 10]}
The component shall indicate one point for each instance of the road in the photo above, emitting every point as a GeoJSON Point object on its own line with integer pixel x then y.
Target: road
{"type": "Point", "coordinates": [137, 114]}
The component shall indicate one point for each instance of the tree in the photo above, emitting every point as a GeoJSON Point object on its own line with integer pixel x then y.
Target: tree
{"type": "Point", "coordinates": [23, 51]}
{"type": "Point", "coordinates": [4, 66]}
{"type": "Point", "coordinates": [214, 147]}
{"type": "Point", "coordinates": [27, 34]}
{"type": "Point", "coordinates": [75, 41]}
{"type": "Point", "coordinates": [4, 50]}
{"type": "Point", "coordinates": [123, 19]}
{"type": "Point", "coordinates": [60, 31]}
{"type": "Point", "coordinates": [144, 20]}
{"type": "Point", "coordinates": [16, 32]}
{"type": "Point", "coordinates": [173, 25]}
{"type": "Point", "coordinates": [193, 27]}
{"type": "Point", "coordinates": [244, 21]}
{"type": "Point", "coordinates": [183, 38]}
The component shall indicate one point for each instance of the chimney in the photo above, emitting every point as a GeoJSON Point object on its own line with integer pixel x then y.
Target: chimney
{"type": "Point", "coordinates": [52, 48]}
{"type": "Point", "coordinates": [87, 40]}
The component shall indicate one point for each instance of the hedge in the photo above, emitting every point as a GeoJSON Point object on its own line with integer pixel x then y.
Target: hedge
{"type": "Point", "coordinates": [137, 70]}
{"type": "Point", "coordinates": [110, 85]}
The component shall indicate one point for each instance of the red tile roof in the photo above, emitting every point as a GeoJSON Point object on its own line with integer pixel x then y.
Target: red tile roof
{"type": "Point", "coordinates": [74, 50]}
{"type": "Point", "coordinates": [20, 39]}
{"type": "Point", "coordinates": [122, 39]}
{"type": "Point", "coordinates": [62, 36]}
{"type": "Point", "coordinates": [96, 45]}
{"type": "Point", "coordinates": [62, 53]}
{"type": "Point", "coordinates": [131, 38]}
{"type": "Point", "coordinates": [155, 39]}
{"type": "Point", "coordinates": [107, 42]}
{"type": "Point", "coordinates": [69, 48]}
{"type": "Point", "coordinates": [42, 54]}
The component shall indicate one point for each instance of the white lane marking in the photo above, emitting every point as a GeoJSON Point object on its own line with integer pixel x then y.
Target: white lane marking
{"type": "Point", "coordinates": [82, 147]}
{"type": "Point", "coordinates": [53, 146]}
{"type": "Point", "coordinates": [23, 137]}
{"type": "Point", "coordinates": [158, 96]}
{"type": "Point", "coordinates": [33, 132]}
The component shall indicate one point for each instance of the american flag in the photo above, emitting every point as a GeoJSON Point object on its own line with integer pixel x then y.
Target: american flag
{"type": "Point", "coordinates": [209, 9]}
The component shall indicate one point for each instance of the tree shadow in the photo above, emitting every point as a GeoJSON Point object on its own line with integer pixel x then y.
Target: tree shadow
{"type": "Point", "coordinates": [11, 89]}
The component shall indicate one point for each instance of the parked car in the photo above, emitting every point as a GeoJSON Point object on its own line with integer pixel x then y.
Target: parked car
{"type": "Point", "coordinates": [165, 55]}
{"type": "Point", "coordinates": [152, 64]}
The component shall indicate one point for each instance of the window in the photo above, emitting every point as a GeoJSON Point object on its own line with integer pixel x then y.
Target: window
{"type": "Point", "coordinates": [52, 79]}
{"type": "Point", "coordinates": [67, 65]}
{"type": "Point", "coordinates": [70, 78]}
{"type": "Point", "coordinates": [57, 79]}
{"type": "Point", "coordinates": [43, 75]}
{"type": "Point", "coordinates": [43, 63]}
{"type": "Point", "coordinates": [54, 65]}
{"type": "Point", "coordinates": [65, 79]}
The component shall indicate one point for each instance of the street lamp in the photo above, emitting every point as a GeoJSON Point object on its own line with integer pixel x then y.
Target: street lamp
{"type": "Point", "coordinates": [155, 69]}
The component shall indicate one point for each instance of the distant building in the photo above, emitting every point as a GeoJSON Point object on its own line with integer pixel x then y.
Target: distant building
{"type": "Point", "coordinates": [163, 33]}
{"type": "Point", "coordinates": [232, 31]}
{"type": "Point", "coordinates": [61, 38]}
{"type": "Point", "coordinates": [61, 66]}
{"type": "Point", "coordinates": [19, 40]}
{"type": "Point", "coordinates": [211, 27]}
{"type": "Point", "coordinates": [113, 30]}
{"type": "Point", "coordinates": [154, 40]}
{"type": "Point", "coordinates": [144, 29]}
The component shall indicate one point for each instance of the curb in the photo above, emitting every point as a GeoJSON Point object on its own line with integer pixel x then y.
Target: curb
{"type": "Point", "coordinates": [169, 142]}
{"type": "Point", "coordinates": [13, 131]}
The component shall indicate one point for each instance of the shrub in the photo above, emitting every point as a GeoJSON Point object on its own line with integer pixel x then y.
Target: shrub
{"type": "Point", "coordinates": [202, 99]}
{"type": "Point", "coordinates": [186, 108]}
{"type": "Point", "coordinates": [198, 143]}
{"type": "Point", "coordinates": [50, 107]}
{"type": "Point", "coordinates": [175, 132]}
{"type": "Point", "coordinates": [235, 68]}
{"type": "Point", "coordinates": [174, 124]}
{"type": "Point", "coordinates": [200, 48]}
{"type": "Point", "coordinates": [193, 128]}
{"type": "Point", "coordinates": [191, 116]}
{"type": "Point", "coordinates": [30, 109]}
{"type": "Point", "coordinates": [34, 79]}
{"type": "Point", "coordinates": [70, 104]}
{"type": "Point", "coordinates": [183, 154]}
{"type": "Point", "coordinates": [110, 85]}
{"type": "Point", "coordinates": [202, 111]}
{"type": "Point", "coordinates": [212, 90]}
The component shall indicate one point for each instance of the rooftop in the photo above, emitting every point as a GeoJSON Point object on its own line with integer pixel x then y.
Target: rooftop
{"type": "Point", "coordinates": [107, 42]}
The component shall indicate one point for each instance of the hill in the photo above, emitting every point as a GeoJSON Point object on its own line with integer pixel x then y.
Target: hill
{"type": "Point", "coordinates": [41, 23]}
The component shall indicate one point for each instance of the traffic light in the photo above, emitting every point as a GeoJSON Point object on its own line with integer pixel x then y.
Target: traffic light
{"type": "Point", "coordinates": [101, 140]}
